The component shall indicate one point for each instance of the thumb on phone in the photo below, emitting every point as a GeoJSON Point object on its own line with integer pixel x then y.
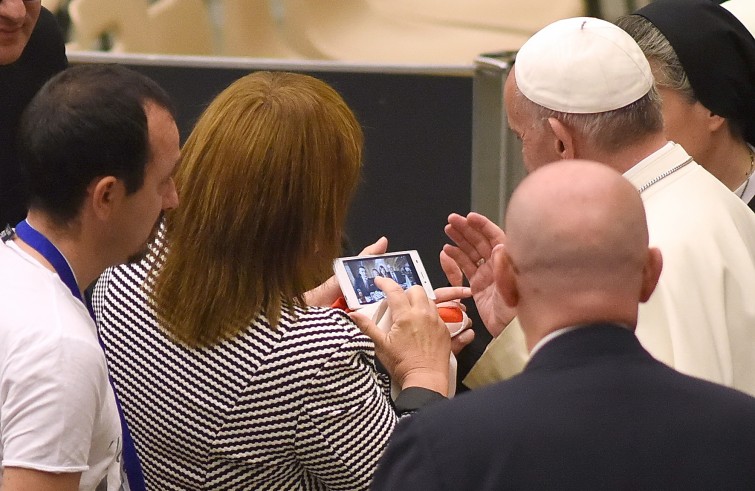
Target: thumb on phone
{"type": "Point", "coordinates": [377, 247]}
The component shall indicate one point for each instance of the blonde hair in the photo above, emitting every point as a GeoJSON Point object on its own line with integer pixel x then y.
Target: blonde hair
{"type": "Point", "coordinates": [265, 181]}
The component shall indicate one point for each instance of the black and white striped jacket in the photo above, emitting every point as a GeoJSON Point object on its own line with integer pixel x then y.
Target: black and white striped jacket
{"type": "Point", "coordinates": [299, 406]}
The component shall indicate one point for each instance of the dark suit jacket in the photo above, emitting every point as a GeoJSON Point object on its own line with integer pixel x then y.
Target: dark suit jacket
{"type": "Point", "coordinates": [359, 284]}
{"type": "Point", "coordinates": [397, 276]}
{"type": "Point", "coordinates": [592, 410]}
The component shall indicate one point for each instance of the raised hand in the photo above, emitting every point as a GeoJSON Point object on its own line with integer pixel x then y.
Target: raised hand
{"type": "Point", "coordinates": [475, 237]}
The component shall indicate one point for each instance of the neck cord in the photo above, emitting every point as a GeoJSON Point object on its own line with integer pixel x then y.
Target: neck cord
{"type": "Point", "coordinates": [748, 176]}
{"type": "Point", "coordinates": [659, 178]}
{"type": "Point", "coordinates": [37, 241]}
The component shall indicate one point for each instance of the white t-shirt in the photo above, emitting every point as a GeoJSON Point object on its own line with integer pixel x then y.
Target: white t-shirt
{"type": "Point", "coordinates": [57, 408]}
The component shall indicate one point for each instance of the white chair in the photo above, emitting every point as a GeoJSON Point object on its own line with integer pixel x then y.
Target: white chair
{"type": "Point", "coordinates": [354, 30]}
{"type": "Point", "coordinates": [180, 27]}
{"type": "Point", "coordinates": [526, 16]}
{"type": "Point", "coordinates": [52, 5]}
{"type": "Point", "coordinates": [126, 23]}
{"type": "Point", "coordinates": [249, 28]}
{"type": "Point", "coordinates": [136, 26]}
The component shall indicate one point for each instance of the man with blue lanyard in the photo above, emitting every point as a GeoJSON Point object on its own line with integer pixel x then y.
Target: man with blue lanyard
{"type": "Point", "coordinates": [100, 145]}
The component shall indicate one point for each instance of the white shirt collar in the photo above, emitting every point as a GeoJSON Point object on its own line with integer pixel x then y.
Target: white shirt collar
{"type": "Point", "coordinates": [551, 336]}
{"type": "Point", "coordinates": [639, 166]}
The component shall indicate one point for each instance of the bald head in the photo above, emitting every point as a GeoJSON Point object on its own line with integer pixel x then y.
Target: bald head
{"type": "Point", "coordinates": [577, 246]}
{"type": "Point", "coordinates": [588, 217]}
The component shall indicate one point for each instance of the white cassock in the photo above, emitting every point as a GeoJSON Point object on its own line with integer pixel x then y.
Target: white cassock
{"type": "Point", "coordinates": [701, 317]}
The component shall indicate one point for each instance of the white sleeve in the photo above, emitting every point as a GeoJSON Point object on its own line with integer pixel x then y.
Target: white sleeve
{"type": "Point", "coordinates": [51, 390]}
{"type": "Point", "coordinates": [504, 357]}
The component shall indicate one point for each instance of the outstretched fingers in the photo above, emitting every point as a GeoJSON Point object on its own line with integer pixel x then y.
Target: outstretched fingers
{"type": "Point", "coordinates": [487, 228]}
{"type": "Point", "coordinates": [451, 293]}
{"type": "Point", "coordinates": [451, 268]}
{"type": "Point", "coordinates": [468, 268]}
{"type": "Point", "coordinates": [467, 238]}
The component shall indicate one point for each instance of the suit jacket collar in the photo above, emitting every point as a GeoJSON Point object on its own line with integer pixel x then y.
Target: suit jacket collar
{"type": "Point", "coordinates": [586, 344]}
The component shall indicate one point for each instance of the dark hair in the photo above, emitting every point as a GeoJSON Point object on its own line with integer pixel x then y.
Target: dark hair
{"type": "Point", "coordinates": [88, 121]}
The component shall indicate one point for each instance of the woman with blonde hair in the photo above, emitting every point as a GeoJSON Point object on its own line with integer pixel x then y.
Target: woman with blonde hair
{"type": "Point", "coordinates": [228, 379]}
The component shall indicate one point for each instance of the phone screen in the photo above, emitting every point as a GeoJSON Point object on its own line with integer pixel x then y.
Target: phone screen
{"type": "Point", "coordinates": [363, 271]}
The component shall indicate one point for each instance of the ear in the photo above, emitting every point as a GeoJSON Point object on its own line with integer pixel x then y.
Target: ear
{"type": "Point", "coordinates": [504, 275]}
{"type": "Point", "coordinates": [713, 121]}
{"type": "Point", "coordinates": [564, 143]}
{"type": "Point", "coordinates": [650, 273]}
{"type": "Point", "coordinates": [104, 193]}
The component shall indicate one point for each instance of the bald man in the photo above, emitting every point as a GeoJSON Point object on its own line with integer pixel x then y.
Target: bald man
{"type": "Point", "coordinates": [592, 409]}
{"type": "Point", "coordinates": [582, 89]}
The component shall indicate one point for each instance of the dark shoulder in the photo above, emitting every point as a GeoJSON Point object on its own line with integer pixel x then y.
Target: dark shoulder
{"type": "Point", "coordinates": [46, 48]}
{"type": "Point", "coordinates": [478, 407]}
{"type": "Point", "coordinates": [723, 399]}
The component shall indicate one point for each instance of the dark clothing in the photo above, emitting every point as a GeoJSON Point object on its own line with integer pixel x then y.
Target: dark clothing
{"type": "Point", "coordinates": [717, 53]}
{"type": "Point", "coordinates": [397, 276]}
{"type": "Point", "coordinates": [365, 288]}
{"type": "Point", "coordinates": [592, 410]}
{"type": "Point", "coordinates": [43, 57]}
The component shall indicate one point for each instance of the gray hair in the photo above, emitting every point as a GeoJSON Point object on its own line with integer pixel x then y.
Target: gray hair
{"type": "Point", "coordinates": [609, 131]}
{"type": "Point", "coordinates": [667, 69]}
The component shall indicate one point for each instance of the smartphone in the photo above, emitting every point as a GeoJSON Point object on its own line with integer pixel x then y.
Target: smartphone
{"type": "Point", "coordinates": [356, 275]}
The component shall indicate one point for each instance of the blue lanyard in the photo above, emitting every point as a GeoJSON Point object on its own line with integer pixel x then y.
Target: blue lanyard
{"type": "Point", "coordinates": [39, 242]}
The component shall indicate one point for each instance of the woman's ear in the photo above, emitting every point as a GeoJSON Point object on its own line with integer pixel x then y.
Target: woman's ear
{"type": "Point", "coordinates": [714, 122]}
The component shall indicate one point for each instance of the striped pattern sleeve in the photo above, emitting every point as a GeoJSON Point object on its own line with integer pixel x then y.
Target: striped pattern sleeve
{"type": "Point", "coordinates": [346, 417]}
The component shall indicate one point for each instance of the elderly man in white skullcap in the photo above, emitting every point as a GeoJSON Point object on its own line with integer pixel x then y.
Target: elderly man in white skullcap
{"type": "Point", "coordinates": [582, 89]}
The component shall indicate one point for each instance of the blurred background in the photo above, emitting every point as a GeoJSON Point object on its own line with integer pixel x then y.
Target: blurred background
{"type": "Point", "coordinates": [366, 31]}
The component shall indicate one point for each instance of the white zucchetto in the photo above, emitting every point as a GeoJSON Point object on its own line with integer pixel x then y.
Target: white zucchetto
{"type": "Point", "coordinates": [582, 65]}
